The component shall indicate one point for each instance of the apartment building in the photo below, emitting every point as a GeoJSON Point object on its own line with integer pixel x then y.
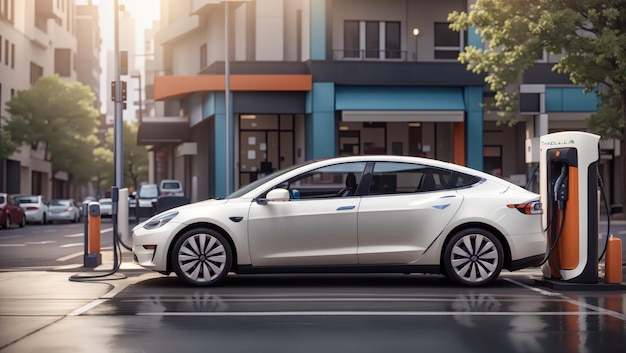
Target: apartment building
{"type": "Point", "coordinates": [38, 38]}
{"type": "Point", "coordinates": [250, 87]}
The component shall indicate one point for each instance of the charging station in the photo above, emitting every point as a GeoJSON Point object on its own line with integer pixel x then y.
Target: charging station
{"type": "Point", "coordinates": [569, 192]}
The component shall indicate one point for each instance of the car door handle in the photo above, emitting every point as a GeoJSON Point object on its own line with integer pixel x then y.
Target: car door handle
{"type": "Point", "coordinates": [345, 208]}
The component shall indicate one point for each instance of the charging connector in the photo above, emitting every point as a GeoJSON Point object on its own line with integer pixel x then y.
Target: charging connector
{"type": "Point", "coordinates": [560, 188]}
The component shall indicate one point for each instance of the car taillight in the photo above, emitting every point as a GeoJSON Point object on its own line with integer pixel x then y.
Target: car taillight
{"type": "Point", "coordinates": [32, 208]}
{"type": "Point", "coordinates": [533, 207]}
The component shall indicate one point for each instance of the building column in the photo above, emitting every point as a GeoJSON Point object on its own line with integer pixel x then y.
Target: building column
{"type": "Point", "coordinates": [473, 97]}
{"type": "Point", "coordinates": [320, 123]}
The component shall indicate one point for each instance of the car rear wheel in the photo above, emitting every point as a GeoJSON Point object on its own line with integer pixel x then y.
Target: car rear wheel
{"type": "Point", "coordinates": [473, 257]}
{"type": "Point", "coordinates": [23, 222]}
{"type": "Point", "coordinates": [202, 257]}
{"type": "Point", "coordinates": [7, 222]}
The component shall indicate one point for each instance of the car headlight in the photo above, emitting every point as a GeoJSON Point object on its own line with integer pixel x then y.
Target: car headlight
{"type": "Point", "coordinates": [160, 220]}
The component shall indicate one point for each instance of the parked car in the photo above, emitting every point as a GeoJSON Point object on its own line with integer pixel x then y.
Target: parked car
{"type": "Point", "coordinates": [106, 207]}
{"type": "Point", "coordinates": [36, 207]}
{"type": "Point", "coordinates": [346, 214]}
{"type": "Point", "coordinates": [171, 187]}
{"type": "Point", "coordinates": [11, 212]}
{"type": "Point", "coordinates": [64, 210]}
{"type": "Point", "coordinates": [146, 195]}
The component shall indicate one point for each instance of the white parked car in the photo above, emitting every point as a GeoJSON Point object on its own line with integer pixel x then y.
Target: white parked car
{"type": "Point", "coordinates": [106, 207]}
{"type": "Point", "coordinates": [347, 214]}
{"type": "Point", "coordinates": [64, 210]}
{"type": "Point", "coordinates": [35, 207]}
{"type": "Point", "coordinates": [171, 187]}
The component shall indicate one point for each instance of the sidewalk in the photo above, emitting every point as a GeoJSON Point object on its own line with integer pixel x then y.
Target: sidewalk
{"type": "Point", "coordinates": [32, 300]}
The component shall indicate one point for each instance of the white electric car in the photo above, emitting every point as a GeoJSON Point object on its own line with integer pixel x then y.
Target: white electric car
{"type": "Point", "coordinates": [352, 214]}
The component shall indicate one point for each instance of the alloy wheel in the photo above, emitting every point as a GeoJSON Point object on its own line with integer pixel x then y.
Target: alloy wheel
{"type": "Point", "coordinates": [474, 257]}
{"type": "Point", "coordinates": [202, 257]}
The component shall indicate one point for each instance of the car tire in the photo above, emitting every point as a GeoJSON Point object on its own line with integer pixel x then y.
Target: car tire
{"type": "Point", "coordinates": [473, 257]}
{"type": "Point", "coordinates": [23, 222]}
{"type": "Point", "coordinates": [201, 257]}
{"type": "Point", "coordinates": [7, 222]}
{"type": "Point", "coordinates": [43, 219]}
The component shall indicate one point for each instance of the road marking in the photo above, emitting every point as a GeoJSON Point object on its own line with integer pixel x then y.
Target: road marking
{"type": "Point", "coordinates": [374, 313]}
{"type": "Point", "coordinates": [106, 230]}
{"type": "Point", "coordinates": [77, 254]}
{"type": "Point", "coordinates": [578, 303]}
{"type": "Point", "coordinates": [86, 307]}
{"type": "Point", "coordinates": [40, 242]}
{"type": "Point", "coordinates": [71, 245]}
{"type": "Point", "coordinates": [11, 245]}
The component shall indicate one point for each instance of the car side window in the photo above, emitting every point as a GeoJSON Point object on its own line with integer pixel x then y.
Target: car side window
{"type": "Point", "coordinates": [339, 180]}
{"type": "Point", "coordinates": [404, 178]}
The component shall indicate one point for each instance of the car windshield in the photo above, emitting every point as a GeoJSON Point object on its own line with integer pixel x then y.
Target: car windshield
{"type": "Point", "coordinates": [105, 202]}
{"type": "Point", "coordinates": [1, 199]}
{"type": "Point", "coordinates": [247, 188]}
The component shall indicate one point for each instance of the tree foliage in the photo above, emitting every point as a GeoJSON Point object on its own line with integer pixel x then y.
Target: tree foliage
{"type": "Point", "coordinates": [60, 116]}
{"type": "Point", "coordinates": [590, 35]}
{"type": "Point", "coordinates": [7, 145]}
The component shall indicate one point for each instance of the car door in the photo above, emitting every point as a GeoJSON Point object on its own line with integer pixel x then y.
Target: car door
{"type": "Point", "coordinates": [405, 210]}
{"type": "Point", "coordinates": [316, 227]}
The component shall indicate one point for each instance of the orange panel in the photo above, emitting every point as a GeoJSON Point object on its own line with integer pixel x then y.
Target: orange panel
{"type": "Point", "coordinates": [459, 143]}
{"type": "Point", "coordinates": [172, 87]}
{"type": "Point", "coordinates": [569, 242]}
{"type": "Point", "coordinates": [613, 261]}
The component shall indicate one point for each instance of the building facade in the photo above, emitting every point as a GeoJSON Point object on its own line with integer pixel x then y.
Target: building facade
{"type": "Point", "coordinates": [38, 38]}
{"type": "Point", "coordinates": [250, 87]}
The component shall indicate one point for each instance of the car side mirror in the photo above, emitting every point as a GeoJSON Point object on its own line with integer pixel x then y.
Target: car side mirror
{"type": "Point", "coordinates": [276, 195]}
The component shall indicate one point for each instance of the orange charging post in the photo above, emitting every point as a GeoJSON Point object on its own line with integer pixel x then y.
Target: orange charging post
{"type": "Point", "coordinates": [613, 261]}
{"type": "Point", "coordinates": [93, 258]}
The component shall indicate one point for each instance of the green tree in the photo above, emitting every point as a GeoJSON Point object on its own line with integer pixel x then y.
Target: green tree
{"type": "Point", "coordinates": [590, 35]}
{"type": "Point", "coordinates": [7, 146]}
{"type": "Point", "coordinates": [60, 115]}
{"type": "Point", "coordinates": [135, 156]}
{"type": "Point", "coordinates": [102, 174]}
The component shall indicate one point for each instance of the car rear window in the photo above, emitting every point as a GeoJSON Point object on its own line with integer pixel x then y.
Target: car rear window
{"type": "Point", "coordinates": [59, 202]}
{"type": "Point", "coordinates": [27, 199]}
{"type": "Point", "coordinates": [148, 191]}
{"type": "Point", "coordinates": [1, 199]}
{"type": "Point", "coordinates": [171, 185]}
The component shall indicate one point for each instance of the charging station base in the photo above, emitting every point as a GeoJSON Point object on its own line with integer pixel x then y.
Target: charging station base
{"type": "Point", "coordinates": [92, 260]}
{"type": "Point", "coordinates": [564, 285]}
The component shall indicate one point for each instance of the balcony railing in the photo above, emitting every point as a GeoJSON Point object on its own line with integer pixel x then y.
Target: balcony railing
{"type": "Point", "coordinates": [373, 55]}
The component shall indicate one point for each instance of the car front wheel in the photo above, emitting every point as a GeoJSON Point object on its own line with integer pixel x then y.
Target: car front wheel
{"type": "Point", "coordinates": [201, 257]}
{"type": "Point", "coordinates": [473, 257]}
{"type": "Point", "coordinates": [7, 222]}
{"type": "Point", "coordinates": [23, 222]}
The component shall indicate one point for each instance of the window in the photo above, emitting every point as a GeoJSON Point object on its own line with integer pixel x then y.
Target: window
{"type": "Point", "coordinates": [403, 178]}
{"type": "Point", "coordinates": [203, 56]}
{"type": "Point", "coordinates": [62, 62]}
{"type": "Point", "coordinates": [339, 180]}
{"type": "Point", "coordinates": [373, 40]}
{"type": "Point", "coordinates": [36, 72]}
{"type": "Point", "coordinates": [6, 52]}
{"type": "Point", "coordinates": [7, 10]}
{"type": "Point", "coordinates": [12, 56]}
{"type": "Point", "coordinates": [448, 43]}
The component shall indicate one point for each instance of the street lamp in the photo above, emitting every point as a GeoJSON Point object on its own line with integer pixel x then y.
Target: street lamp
{"type": "Point", "coordinates": [416, 33]}
{"type": "Point", "coordinates": [137, 75]}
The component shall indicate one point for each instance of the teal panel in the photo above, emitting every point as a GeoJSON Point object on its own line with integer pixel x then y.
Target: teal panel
{"type": "Point", "coordinates": [220, 145]}
{"type": "Point", "coordinates": [308, 109]}
{"type": "Point", "coordinates": [318, 30]}
{"type": "Point", "coordinates": [399, 98]}
{"type": "Point", "coordinates": [208, 105]}
{"type": "Point", "coordinates": [320, 124]}
{"type": "Point", "coordinates": [570, 99]}
{"type": "Point", "coordinates": [474, 39]}
{"type": "Point", "coordinates": [474, 128]}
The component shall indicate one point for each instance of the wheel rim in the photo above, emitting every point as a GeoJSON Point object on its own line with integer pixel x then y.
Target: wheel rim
{"type": "Point", "coordinates": [202, 257]}
{"type": "Point", "coordinates": [474, 258]}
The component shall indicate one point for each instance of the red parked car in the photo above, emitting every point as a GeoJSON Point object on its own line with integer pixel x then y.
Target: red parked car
{"type": "Point", "coordinates": [11, 212]}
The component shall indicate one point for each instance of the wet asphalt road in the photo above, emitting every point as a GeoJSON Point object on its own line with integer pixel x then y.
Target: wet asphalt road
{"type": "Point", "coordinates": [42, 311]}
{"type": "Point", "coordinates": [330, 313]}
